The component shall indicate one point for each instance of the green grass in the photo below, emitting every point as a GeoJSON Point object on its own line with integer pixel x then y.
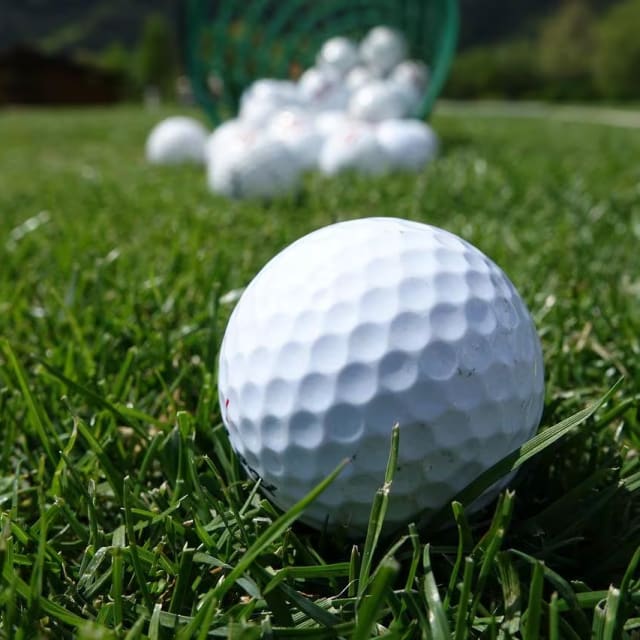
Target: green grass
{"type": "Point", "coordinates": [123, 513]}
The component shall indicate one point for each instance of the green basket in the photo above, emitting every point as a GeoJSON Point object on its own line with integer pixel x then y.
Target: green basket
{"type": "Point", "coordinates": [230, 43]}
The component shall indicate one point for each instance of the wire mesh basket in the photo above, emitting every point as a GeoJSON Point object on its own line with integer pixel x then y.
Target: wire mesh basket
{"type": "Point", "coordinates": [230, 43]}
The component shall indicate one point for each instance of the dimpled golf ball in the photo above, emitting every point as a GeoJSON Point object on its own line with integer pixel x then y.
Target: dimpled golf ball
{"type": "Point", "coordinates": [360, 326]}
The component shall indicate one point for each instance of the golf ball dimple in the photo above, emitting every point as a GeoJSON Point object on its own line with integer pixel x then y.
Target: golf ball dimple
{"type": "Point", "coordinates": [388, 322]}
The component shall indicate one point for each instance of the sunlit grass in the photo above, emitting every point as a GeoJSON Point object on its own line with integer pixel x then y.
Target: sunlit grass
{"type": "Point", "coordinates": [123, 512]}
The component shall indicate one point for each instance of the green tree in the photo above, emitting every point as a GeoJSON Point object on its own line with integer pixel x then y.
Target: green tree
{"type": "Point", "coordinates": [617, 57]}
{"type": "Point", "coordinates": [117, 59]}
{"type": "Point", "coordinates": [157, 55]}
{"type": "Point", "coordinates": [566, 50]}
{"type": "Point", "coordinates": [506, 70]}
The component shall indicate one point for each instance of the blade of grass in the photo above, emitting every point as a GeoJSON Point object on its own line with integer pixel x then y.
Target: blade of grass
{"type": "Point", "coordinates": [613, 622]}
{"type": "Point", "coordinates": [625, 584]}
{"type": "Point", "coordinates": [117, 575]}
{"type": "Point", "coordinates": [554, 618]}
{"type": "Point", "coordinates": [307, 606]}
{"type": "Point", "coordinates": [465, 541]}
{"type": "Point", "coordinates": [437, 616]}
{"type": "Point", "coordinates": [534, 606]}
{"type": "Point", "coordinates": [336, 570]}
{"type": "Point", "coordinates": [378, 513]}
{"type": "Point", "coordinates": [207, 619]}
{"type": "Point", "coordinates": [133, 548]}
{"type": "Point", "coordinates": [372, 605]}
{"type": "Point", "coordinates": [183, 580]}
{"type": "Point", "coordinates": [123, 373]}
{"type": "Point", "coordinates": [154, 622]}
{"type": "Point", "coordinates": [35, 413]}
{"type": "Point", "coordinates": [135, 633]}
{"type": "Point", "coordinates": [510, 583]}
{"type": "Point", "coordinates": [37, 572]}
{"type": "Point", "coordinates": [114, 477]}
{"type": "Point", "coordinates": [354, 570]}
{"type": "Point", "coordinates": [462, 614]}
{"type": "Point", "coordinates": [415, 558]}
{"type": "Point", "coordinates": [597, 626]}
{"type": "Point", "coordinates": [490, 545]}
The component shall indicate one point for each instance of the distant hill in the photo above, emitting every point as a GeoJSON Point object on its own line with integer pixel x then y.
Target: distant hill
{"type": "Point", "coordinates": [70, 25]}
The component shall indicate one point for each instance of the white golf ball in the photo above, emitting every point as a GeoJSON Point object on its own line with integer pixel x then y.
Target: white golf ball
{"type": "Point", "coordinates": [254, 167]}
{"type": "Point", "coordinates": [358, 77]}
{"type": "Point", "coordinates": [411, 73]}
{"type": "Point", "coordinates": [265, 97]}
{"type": "Point", "coordinates": [409, 144]}
{"type": "Point", "coordinates": [383, 48]}
{"type": "Point", "coordinates": [323, 89]}
{"type": "Point", "coordinates": [329, 122]}
{"type": "Point", "coordinates": [353, 147]}
{"type": "Point", "coordinates": [280, 92]}
{"type": "Point", "coordinates": [257, 112]}
{"type": "Point", "coordinates": [177, 140]}
{"type": "Point", "coordinates": [226, 135]}
{"type": "Point", "coordinates": [379, 100]}
{"type": "Point", "coordinates": [339, 54]}
{"type": "Point", "coordinates": [296, 129]}
{"type": "Point", "coordinates": [411, 77]}
{"type": "Point", "coordinates": [363, 325]}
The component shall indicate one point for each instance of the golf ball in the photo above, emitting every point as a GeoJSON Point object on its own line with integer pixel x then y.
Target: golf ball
{"type": "Point", "coordinates": [360, 326]}
{"type": "Point", "coordinates": [227, 135]}
{"type": "Point", "coordinates": [254, 166]}
{"type": "Point", "coordinates": [409, 144]}
{"type": "Point", "coordinates": [383, 48]}
{"type": "Point", "coordinates": [297, 130]}
{"type": "Point", "coordinates": [353, 146]}
{"type": "Point", "coordinates": [177, 140]}
{"type": "Point", "coordinates": [339, 53]}
{"type": "Point", "coordinates": [379, 100]}
{"type": "Point", "coordinates": [322, 88]}
{"type": "Point", "coordinates": [412, 73]}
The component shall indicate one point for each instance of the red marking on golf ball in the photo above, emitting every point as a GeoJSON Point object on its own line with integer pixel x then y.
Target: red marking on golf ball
{"type": "Point", "coordinates": [351, 136]}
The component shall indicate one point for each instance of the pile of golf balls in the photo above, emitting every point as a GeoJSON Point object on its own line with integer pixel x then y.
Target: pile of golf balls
{"type": "Point", "coordinates": [352, 93]}
{"type": "Point", "coordinates": [360, 326]}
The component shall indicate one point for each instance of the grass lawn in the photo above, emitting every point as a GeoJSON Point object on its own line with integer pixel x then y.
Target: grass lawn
{"type": "Point", "coordinates": [123, 513]}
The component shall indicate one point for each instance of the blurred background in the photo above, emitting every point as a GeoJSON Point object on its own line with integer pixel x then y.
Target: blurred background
{"type": "Point", "coordinates": [100, 52]}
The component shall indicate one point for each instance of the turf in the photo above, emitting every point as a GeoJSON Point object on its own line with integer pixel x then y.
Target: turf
{"type": "Point", "coordinates": [123, 513]}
